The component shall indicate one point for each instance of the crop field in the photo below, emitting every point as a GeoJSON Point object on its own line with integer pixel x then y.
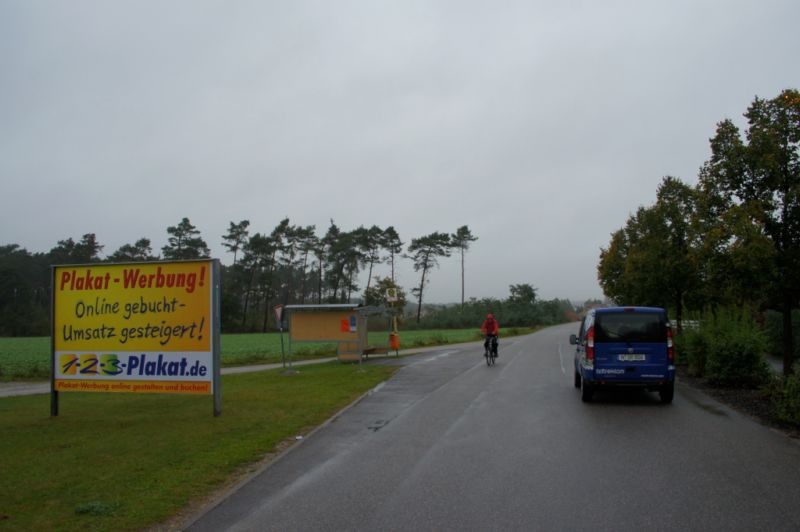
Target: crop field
{"type": "Point", "coordinates": [29, 358]}
{"type": "Point", "coordinates": [25, 358]}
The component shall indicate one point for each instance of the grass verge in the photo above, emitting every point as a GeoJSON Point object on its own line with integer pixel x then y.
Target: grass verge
{"type": "Point", "coordinates": [127, 461]}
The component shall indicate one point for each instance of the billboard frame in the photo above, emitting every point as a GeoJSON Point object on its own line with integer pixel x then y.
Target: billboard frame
{"type": "Point", "coordinates": [214, 290]}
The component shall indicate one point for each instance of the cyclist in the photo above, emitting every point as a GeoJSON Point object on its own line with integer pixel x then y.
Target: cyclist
{"type": "Point", "coordinates": [490, 330]}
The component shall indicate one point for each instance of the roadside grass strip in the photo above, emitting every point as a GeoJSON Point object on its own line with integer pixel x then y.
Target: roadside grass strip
{"type": "Point", "coordinates": [129, 461]}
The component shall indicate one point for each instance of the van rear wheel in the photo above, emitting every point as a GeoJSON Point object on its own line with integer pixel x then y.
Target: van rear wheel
{"type": "Point", "coordinates": [587, 391]}
{"type": "Point", "coordinates": [577, 380]}
{"type": "Point", "coordinates": [667, 392]}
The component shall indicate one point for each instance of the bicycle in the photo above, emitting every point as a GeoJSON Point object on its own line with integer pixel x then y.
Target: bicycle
{"type": "Point", "coordinates": [490, 350]}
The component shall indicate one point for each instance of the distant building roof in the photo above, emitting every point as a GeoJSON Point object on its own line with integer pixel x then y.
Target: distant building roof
{"type": "Point", "coordinates": [337, 306]}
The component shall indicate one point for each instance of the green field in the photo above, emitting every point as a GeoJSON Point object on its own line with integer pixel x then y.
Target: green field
{"type": "Point", "coordinates": [29, 358]}
{"type": "Point", "coordinates": [131, 461]}
{"type": "Point", "coordinates": [25, 358]}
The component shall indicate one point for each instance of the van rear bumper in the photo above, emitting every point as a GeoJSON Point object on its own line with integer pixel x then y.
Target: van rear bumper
{"type": "Point", "coordinates": [631, 384]}
{"type": "Point", "coordinates": [609, 378]}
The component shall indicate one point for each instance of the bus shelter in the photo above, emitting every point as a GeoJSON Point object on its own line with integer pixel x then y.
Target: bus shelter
{"type": "Point", "coordinates": [346, 325]}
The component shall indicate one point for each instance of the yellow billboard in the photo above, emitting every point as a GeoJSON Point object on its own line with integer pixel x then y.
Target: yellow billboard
{"type": "Point", "coordinates": [139, 327]}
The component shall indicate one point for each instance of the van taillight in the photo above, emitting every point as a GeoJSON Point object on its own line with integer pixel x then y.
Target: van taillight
{"type": "Point", "coordinates": [590, 343]}
{"type": "Point", "coordinates": [670, 345]}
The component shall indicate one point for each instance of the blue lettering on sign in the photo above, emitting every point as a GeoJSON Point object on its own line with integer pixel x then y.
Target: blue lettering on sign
{"type": "Point", "coordinates": [136, 365]}
{"type": "Point", "coordinates": [352, 324]}
{"type": "Point", "coordinates": [140, 365]}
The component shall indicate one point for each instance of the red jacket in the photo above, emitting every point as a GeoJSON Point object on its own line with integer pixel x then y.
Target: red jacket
{"type": "Point", "coordinates": [490, 326]}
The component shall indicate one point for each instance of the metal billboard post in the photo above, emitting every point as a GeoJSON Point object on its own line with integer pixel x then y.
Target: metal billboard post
{"type": "Point", "coordinates": [279, 319]}
{"type": "Point", "coordinates": [215, 345]}
{"type": "Point", "coordinates": [53, 391]}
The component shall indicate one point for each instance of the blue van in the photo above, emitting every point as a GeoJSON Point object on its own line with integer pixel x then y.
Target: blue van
{"type": "Point", "coordinates": [625, 346]}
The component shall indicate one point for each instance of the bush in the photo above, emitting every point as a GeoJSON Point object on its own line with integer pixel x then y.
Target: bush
{"type": "Point", "coordinates": [786, 397]}
{"type": "Point", "coordinates": [735, 349]}
{"type": "Point", "coordinates": [692, 350]}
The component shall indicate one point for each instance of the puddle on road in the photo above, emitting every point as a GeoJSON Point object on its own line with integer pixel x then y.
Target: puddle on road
{"type": "Point", "coordinates": [375, 426]}
{"type": "Point", "coordinates": [710, 408]}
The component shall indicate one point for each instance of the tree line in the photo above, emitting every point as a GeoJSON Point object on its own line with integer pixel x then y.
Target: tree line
{"type": "Point", "coordinates": [292, 264]}
{"type": "Point", "coordinates": [733, 240]}
{"type": "Point", "coordinates": [521, 308]}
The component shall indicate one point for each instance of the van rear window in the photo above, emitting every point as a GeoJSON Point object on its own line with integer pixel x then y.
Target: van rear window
{"type": "Point", "coordinates": [630, 327]}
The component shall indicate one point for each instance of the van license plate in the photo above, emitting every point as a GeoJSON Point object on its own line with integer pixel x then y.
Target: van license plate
{"type": "Point", "coordinates": [632, 358]}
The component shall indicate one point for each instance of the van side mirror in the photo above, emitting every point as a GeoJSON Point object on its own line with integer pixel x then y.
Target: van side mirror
{"type": "Point", "coordinates": [573, 340]}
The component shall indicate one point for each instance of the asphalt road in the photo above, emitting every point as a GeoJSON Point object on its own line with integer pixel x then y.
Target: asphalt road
{"type": "Point", "coordinates": [450, 444]}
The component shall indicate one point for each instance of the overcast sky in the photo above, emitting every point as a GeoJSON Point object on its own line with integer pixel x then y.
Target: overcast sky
{"type": "Point", "coordinates": [541, 125]}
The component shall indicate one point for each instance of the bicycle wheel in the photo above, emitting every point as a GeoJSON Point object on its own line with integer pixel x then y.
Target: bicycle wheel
{"type": "Point", "coordinates": [489, 358]}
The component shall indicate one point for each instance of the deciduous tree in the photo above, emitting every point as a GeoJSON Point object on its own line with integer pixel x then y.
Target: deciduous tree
{"type": "Point", "coordinates": [763, 175]}
{"type": "Point", "coordinates": [651, 261]}
{"type": "Point", "coordinates": [376, 294]}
